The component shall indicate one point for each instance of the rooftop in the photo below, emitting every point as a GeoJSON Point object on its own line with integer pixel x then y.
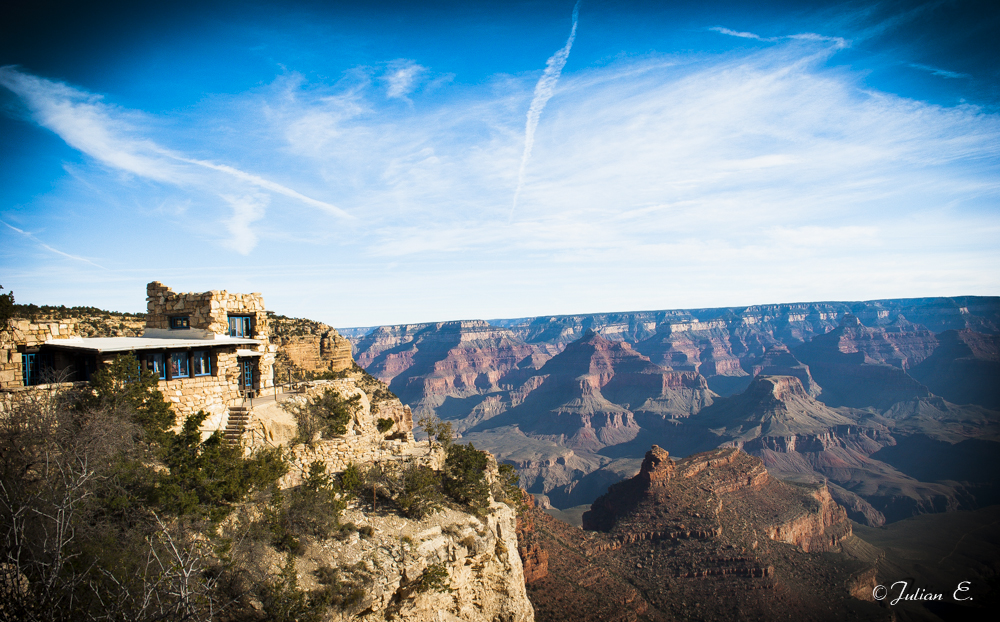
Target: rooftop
{"type": "Point", "coordinates": [128, 344]}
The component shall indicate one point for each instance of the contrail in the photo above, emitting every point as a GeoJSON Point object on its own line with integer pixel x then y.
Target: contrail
{"type": "Point", "coordinates": [49, 248]}
{"type": "Point", "coordinates": [543, 93]}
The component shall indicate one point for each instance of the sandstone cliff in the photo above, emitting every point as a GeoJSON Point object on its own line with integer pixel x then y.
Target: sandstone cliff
{"type": "Point", "coordinates": [453, 564]}
{"type": "Point", "coordinates": [307, 348]}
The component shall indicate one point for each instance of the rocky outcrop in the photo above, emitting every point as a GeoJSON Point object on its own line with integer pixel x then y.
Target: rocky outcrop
{"type": "Point", "coordinates": [710, 537]}
{"type": "Point", "coordinates": [779, 361]}
{"type": "Point", "coordinates": [475, 558]}
{"type": "Point", "coordinates": [388, 559]}
{"type": "Point", "coordinates": [534, 558]}
{"type": "Point", "coordinates": [308, 348]}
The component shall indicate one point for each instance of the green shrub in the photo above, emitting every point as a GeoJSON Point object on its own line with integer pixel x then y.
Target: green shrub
{"type": "Point", "coordinates": [434, 577]}
{"type": "Point", "coordinates": [336, 590]}
{"type": "Point", "coordinates": [124, 387]}
{"type": "Point", "coordinates": [285, 601]}
{"type": "Point", "coordinates": [327, 414]}
{"type": "Point", "coordinates": [384, 425]}
{"type": "Point", "coordinates": [437, 430]}
{"type": "Point", "coordinates": [350, 479]}
{"type": "Point", "coordinates": [465, 476]}
{"type": "Point", "coordinates": [414, 490]}
{"type": "Point", "coordinates": [208, 477]}
{"type": "Point", "coordinates": [507, 489]}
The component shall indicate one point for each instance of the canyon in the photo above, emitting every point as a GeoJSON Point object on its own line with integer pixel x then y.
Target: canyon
{"type": "Point", "coordinates": [826, 391]}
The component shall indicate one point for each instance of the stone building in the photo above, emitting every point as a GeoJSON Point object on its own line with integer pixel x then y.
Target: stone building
{"type": "Point", "coordinates": [209, 350]}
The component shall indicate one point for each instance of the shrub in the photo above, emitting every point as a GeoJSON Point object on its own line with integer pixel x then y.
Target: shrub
{"type": "Point", "coordinates": [337, 591]}
{"type": "Point", "coordinates": [350, 479]}
{"type": "Point", "coordinates": [384, 425]}
{"type": "Point", "coordinates": [434, 577]}
{"type": "Point", "coordinates": [465, 476]}
{"type": "Point", "coordinates": [208, 477]}
{"type": "Point", "coordinates": [123, 387]}
{"type": "Point", "coordinates": [506, 488]}
{"type": "Point", "coordinates": [437, 430]}
{"type": "Point", "coordinates": [415, 490]}
{"type": "Point", "coordinates": [327, 414]}
{"type": "Point", "coordinates": [285, 601]}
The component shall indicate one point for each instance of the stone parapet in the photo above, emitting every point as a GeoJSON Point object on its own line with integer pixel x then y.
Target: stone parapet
{"type": "Point", "coordinates": [207, 311]}
{"type": "Point", "coordinates": [21, 335]}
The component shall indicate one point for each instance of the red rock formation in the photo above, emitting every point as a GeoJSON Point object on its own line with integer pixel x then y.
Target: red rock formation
{"type": "Point", "coordinates": [709, 537]}
{"type": "Point", "coordinates": [534, 558]}
{"type": "Point", "coordinates": [779, 361]}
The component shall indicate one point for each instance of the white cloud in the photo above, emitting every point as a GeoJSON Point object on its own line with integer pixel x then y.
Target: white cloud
{"type": "Point", "coordinates": [115, 137]}
{"type": "Point", "coordinates": [402, 78]}
{"type": "Point", "coordinates": [247, 209]}
{"type": "Point", "coordinates": [838, 42]}
{"type": "Point", "coordinates": [34, 239]}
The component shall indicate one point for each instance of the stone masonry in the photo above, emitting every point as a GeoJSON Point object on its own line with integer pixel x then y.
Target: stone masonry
{"type": "Point", "coordinates": [23, 334]}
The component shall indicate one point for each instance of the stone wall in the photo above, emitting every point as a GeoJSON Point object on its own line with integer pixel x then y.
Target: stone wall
{"type": "Point", "coordinates": [207, 311]}
{"type": "Point", "coordinates": [22, 334]}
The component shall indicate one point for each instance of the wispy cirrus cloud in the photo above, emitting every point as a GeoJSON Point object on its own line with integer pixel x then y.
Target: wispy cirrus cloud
{"type": "Point", "coordinates": [655, 182]}
{"type": "Point", "coordinates": [838, 42]}
{"type": "Point", "coordinates": [115, 137]}
{"type": "Point", "coordinates": [944, 73]}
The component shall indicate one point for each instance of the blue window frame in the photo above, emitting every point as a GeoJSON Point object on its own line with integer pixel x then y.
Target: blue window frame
{"type": "Point", "coordinates": [155, 364]}
{"type": "Point", "coordinates": [36, 368]}
{"type": "Point", "coordinates": [241, 326]}
{"type": "Point", "coordinates": [180, 322]}
{"type": "Point", "coordinates": [201, 363]}
{"type": "Point", "coordinates": [29, 369]}
{"type": "Point", "coordinates": [179, 365]}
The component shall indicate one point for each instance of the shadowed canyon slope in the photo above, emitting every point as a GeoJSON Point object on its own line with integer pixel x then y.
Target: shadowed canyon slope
{"type": "Point", "coordinates": [854, 388]}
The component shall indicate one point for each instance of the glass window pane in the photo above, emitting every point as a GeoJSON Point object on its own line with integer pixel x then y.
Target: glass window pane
{"type": "Point", "coordinates": [201, 363]}
{"type": "Point", "coordinates": [155, 364]}
{"type": "Point", "coordinates": [179, 365]}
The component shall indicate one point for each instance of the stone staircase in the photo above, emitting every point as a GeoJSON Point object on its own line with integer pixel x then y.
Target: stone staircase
{"type": "Point", "coordinates": [238, 416]}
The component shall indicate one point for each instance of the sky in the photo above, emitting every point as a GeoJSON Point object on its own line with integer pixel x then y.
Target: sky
{"type": "Point", "coordinates": [394, 162]}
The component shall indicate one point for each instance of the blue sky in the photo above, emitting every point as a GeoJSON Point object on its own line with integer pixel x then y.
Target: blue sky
{"type": "Point", "coordinates": [389, 162]}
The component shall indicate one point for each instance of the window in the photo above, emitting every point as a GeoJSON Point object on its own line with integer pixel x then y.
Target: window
{"type": "Point", "coordinates": [201, 363]}
{"type": "Point", "coordinates": [240, 326]}
{"type": "Point", "coordinates": [154, 362]}
{"type": "Point", "coordinates": [36, 367]}
{"type": "Point", "coordinates": [29, 368]}
{"type": "Point", "coordinates": [179, 365]}
{"type": "Point", "coordinates": [179, 322]}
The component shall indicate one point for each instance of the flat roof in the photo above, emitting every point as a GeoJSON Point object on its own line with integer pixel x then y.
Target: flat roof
{"type": "Point", "coordinates": [129, 344]}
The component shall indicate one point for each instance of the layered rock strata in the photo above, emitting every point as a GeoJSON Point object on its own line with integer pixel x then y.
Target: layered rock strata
{"type": "Point", "coordinates": [709, 537]}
